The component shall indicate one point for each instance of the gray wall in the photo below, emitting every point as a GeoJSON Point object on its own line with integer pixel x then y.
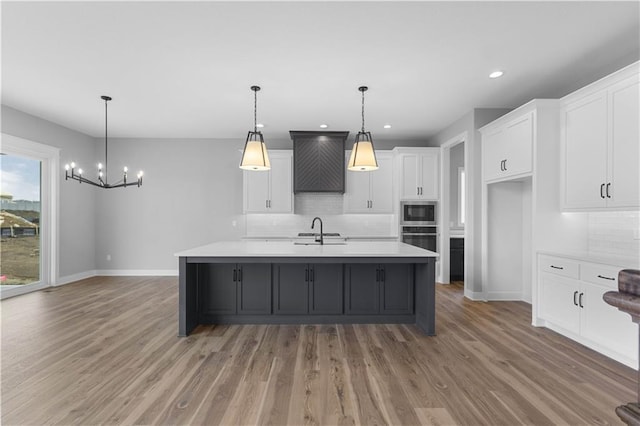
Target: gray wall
{"type": "Point", "coordinates": [191, 194]}
{"type": "Point", "coordinates": [469, 123]}
{"type": "Point", "coordinates": [77, 214]}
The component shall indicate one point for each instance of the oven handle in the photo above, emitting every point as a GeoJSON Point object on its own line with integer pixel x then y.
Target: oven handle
{"type": "Point", "coordinates": [419, 234]}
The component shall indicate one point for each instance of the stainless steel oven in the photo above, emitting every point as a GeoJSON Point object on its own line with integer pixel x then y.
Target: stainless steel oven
{"type": "Point", "coordinates": [425, 237]}
{"type": "Point", "coordinates": [419, 213]}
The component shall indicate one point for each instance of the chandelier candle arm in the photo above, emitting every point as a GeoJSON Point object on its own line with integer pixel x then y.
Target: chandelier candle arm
{"type": "Point", "coordinates": [102, 181]}
{"type": "Point", "coordinates": [363, 155]}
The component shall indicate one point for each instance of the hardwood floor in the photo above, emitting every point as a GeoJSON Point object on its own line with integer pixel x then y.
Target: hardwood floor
{"type": "Point", "coordinates": [105, 351]}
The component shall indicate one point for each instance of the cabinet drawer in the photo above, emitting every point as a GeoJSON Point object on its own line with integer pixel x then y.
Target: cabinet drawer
{"type": "Point", "coordinates": [559, 266]}
{"type": "Point", "coordinates": [599, 274]}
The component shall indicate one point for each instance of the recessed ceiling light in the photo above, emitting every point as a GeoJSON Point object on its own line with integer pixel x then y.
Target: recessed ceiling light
{"type": "Point", "coordinates": [324, 126]}
{"type": "Point", "coordinates": [496, 74]}
{"type": "Point", "coordinates": [387, 126]}
{"type": "Point", "coordinates": [260, 125]}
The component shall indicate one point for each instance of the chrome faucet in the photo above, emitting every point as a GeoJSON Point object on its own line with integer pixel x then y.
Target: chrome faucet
{"type": "Point", "coordinates": [321, 234]}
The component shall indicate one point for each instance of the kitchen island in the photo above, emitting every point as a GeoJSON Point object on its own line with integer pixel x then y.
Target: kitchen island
{"type": "Point", "coordinates": [283, 282]}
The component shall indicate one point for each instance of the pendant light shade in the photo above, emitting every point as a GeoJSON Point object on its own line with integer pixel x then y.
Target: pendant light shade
{"type": "Point", "coordinates": [363, 155]}
{"type": "Point", "coordinates": [255, 156]}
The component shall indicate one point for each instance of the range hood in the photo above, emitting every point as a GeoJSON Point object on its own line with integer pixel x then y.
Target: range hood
{"type": "Point", "coordinates": [318, 161]}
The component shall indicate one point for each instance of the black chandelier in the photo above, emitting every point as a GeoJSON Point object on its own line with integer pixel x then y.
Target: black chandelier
{"type": "Point", "coordinates": [102, 181]}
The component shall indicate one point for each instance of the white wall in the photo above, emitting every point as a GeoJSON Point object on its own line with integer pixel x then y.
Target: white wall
{"type": "Point", "coordinates": [77, 218]}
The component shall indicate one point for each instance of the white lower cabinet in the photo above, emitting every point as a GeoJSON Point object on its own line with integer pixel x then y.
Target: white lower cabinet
{"type": "Point", "coordinates": [571, 303]}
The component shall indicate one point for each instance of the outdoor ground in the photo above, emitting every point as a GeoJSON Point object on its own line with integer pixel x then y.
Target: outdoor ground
{"type": "Point", "coordinates": [20, 260]}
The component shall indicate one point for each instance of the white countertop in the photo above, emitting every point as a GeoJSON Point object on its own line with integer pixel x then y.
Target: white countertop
{"type": "Point", "coordinates": [249, 248]}
{"type": "Point", "coordinates": [626, 263]}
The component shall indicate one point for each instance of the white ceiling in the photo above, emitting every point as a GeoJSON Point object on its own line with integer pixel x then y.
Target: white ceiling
{"type": "Point", "coordinates": [184, 69]}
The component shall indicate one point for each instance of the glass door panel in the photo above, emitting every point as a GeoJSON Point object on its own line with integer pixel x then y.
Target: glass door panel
{"type": "Point", "coordinates": [20, 207]}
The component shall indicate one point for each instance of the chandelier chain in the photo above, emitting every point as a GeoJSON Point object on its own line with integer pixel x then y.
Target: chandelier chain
{"type": "Point", "coordinates": [106, 164]}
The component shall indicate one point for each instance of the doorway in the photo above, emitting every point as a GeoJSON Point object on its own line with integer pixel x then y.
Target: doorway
{"type": "Point", "coordinates": [454, 211]}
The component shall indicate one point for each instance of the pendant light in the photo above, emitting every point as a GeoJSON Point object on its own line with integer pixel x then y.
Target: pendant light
{"type": "Point", "coordinates": [255, 156]}
{"type": "Point", "coordinates": [102, 181]}
{"type": "Point", "coordinates": [363, 156]}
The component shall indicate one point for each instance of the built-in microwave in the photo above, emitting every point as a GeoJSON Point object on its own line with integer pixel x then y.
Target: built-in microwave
{"type": "Point", "coordinates": [419, 212]}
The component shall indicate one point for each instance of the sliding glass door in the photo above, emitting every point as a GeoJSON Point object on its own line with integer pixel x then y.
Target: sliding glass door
{"type": "Point", "coordinates": [20, 178]}
{"type": "Point", "coordinates": [28, 185]}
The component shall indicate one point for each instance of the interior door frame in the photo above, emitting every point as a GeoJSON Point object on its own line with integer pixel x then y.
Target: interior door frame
{"type": "Point", "coordinates": [49, 183]}
{"type": "Point", "coordinates": [445, 213]}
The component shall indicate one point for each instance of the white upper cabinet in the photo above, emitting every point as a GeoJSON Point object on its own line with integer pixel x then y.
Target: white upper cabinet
{"type": "Point", "coordinates": [370, 192]}
{"type": "Point", "coordinates": [601, 144]}
{"type": "Point", "coordinates": [508, 148]}
{"type": "Point", "coordinates": [270, 191]}
{"type": "Point", "coordinates": [419, 173]}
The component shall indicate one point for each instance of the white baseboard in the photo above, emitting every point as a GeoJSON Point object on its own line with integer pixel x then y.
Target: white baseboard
{"type": "Point", "coordinates": [505, 296]}
{"type": "Point", "coordinates": [138, 272]}
{"type": "Point", "coordinates": [75, 277]}
{"type": "Point", "coordinates": [474, 295]}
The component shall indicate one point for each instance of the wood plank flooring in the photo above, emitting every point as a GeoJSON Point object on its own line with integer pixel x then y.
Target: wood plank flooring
{"type": "Point", "coordinates": [105, 351]}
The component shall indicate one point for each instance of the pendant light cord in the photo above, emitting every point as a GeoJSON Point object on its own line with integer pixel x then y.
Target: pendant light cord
{"type": "Point", "coordinates": [255, 111]}
{"type": "Point", "coordinates": [363, 111]}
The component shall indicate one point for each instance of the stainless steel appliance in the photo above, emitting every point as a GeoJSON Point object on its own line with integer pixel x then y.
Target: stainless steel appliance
{"type": "Point", "coordinates": [419, 213]}
{"type": "Point", "coordinates": [425, 237]}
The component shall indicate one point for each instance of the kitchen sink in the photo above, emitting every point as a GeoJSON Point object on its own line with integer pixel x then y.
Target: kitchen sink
{"type": "Point", "coordinates": [313, 234]}
{"type": "Point", "coordinates": [317, 243]}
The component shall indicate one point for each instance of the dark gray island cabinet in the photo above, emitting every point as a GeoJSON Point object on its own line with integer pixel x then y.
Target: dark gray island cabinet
{"type": "Point", "coordinates": [250, 282]}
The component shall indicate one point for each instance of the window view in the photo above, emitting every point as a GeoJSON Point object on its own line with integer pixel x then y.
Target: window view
{"type": "Point", "coordinates": [19, 220]}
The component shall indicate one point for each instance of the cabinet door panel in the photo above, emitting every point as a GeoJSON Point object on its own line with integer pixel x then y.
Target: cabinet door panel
{"type": "Point", "coordinates": [492, 154]}
{"type": "Point", "coordinates": [410, 169]}
{"type": "Point", "coordinates": [605, 324]}
{"type": "Point", "coordinates": [217, 288]}
{"type": "Point", "coordinates": [430, 176]}
{"type": "Point", "coordinates": [280, 182]}
{"type": "Point", "coordinates": [326, 289]}
{"type": "Point", "coordinates": [290, 290]}
{"type": "Point", "coordinates": [256, 191]}
{"type": "Point", "coordinates": [361, 288]}
{"type": "Point", "coordinates": [557, 305]}
{"type": "Point", "coordinates": [625, 146]}
{"type": "Point", "coordinates": [585, 140]}
{"type": "Point", "coordinates": [382, 185]}
{"type": "Point", "coordinates": [518, 145]}
{"type": "Point", "coordinates": [357, 193]}
{"type": "Point", "coordinates": [397, 289]}
{"type": "Point", "coordinates": [254, 288]}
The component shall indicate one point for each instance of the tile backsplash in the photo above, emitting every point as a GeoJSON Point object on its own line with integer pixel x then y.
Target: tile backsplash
{"type": "Point", "coordinates": [615, 234]}
{"type": "Point", "coordinates": [348, 225]}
